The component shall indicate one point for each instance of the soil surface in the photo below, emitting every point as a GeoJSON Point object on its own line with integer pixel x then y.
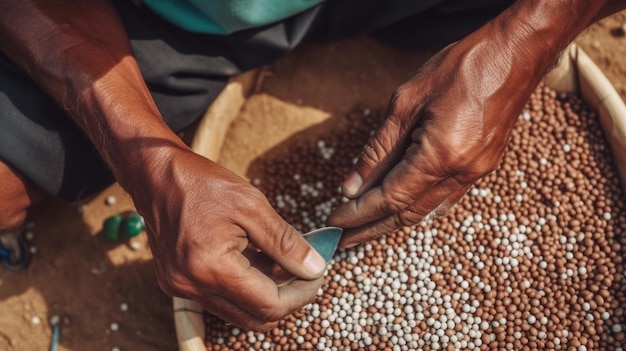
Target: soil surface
{"type": "Point", "coordinates": [86, 281]}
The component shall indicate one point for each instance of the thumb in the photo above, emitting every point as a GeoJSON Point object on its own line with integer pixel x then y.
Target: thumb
{"type": "Point", "coordinates": [377, 158]}
{"type": "Point", "coordinates": [285, 246]}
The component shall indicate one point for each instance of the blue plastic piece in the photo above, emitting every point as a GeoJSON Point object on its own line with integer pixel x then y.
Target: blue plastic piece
{"type": "Point", "coordinates": [15, 257]}
{"type": "Point", "coordinates": [4, 253]}
{"type": "Point", "coordinates": [324, 241]}
{"type": "Point", "coordinates": [54, 343]}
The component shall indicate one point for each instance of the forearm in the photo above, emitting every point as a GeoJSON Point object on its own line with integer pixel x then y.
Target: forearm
{"type": "Point", "coordinates": [78, 52]}
{"type": "Point", "coordinates": [515, 50]}
{"type": "Point", "coordinates": [538, 30]}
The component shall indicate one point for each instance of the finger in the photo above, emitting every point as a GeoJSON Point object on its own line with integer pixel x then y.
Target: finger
{"type": "Point", "coordinates": [267, 266]}
{"type": "Point", "coordinates": [424, 166]}
{"type": "Point", "coordinates": [281, 242]}
{"type": "Point", "coordinates": [408, 181]}
{"type": "Point", "coordinates": [430, 204]}
{"type": "Point", "coordinates": [379, 155]}
{"type": "Point", "coordinates": [230, 312]}
{"type": "Point", "coordinates": [259, 295]}
{"type": "Point", "coordinates": [375, 204]}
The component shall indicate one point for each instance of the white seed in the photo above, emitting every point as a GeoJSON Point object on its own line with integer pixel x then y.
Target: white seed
{"type": "Point", "coordinates": [110, 200]}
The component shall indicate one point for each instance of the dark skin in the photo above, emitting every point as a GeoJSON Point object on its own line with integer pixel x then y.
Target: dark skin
{"type": "Point", "coordinates": [201, 218]}
{"type": "Point", "coordinates": [446, 128]}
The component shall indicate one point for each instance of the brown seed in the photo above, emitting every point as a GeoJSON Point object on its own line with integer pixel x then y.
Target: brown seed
{"type": "Point", "coordinates": [569, 263]}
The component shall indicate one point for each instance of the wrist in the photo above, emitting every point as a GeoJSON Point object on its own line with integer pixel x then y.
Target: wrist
{"type": "Point", "coordinates": [118, 115]}
{"type": "Point", "coordinates": [516, 49]}
{"type": "Point", "coordinates": [537, 31]}
{"type": "Point", "coordinates": [140, 158]}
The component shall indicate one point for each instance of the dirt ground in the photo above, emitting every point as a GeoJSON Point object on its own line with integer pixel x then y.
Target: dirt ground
{"type": "Point", "coordinates": [85, 280]}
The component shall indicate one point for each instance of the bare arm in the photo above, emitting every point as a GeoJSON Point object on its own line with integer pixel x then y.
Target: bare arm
{"type": "Point", "coordinates": [449, 125]}
{"type": "Point", "coordinates": [200, 217]}
{"type": "Point", "coordinates": [78, 52]}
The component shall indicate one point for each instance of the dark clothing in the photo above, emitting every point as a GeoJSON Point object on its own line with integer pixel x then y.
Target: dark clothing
{"type": "Point", "coordinates": [186, 71]}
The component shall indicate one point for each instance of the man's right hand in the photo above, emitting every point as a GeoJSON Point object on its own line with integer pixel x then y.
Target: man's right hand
{"type": "Point", "coordinates": [205, 224]}
{"type": "Point", "coordinates": [206, 227]}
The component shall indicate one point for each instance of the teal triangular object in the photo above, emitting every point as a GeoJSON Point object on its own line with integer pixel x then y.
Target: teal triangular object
{"type": "Point", "coordinates": [324, 241]}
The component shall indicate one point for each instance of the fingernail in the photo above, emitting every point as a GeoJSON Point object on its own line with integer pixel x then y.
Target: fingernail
{"type": "Point", "coordinates": [314, 263]}
{"type": "Point", "coordinates": [353, 184]}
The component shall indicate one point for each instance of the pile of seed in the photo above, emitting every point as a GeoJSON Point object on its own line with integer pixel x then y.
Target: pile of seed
{"type": "Point", "coordinates": [531, 258]}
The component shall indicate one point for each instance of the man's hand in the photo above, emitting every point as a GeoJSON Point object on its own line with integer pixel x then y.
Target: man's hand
{"type": "Point", "coordinates": [449, 125]}
{"type": "Point", "coordinates": [207, 228]}
{"type": "Point", "coordinates": [445, 128]}
{"type": "Point", "coordinates": [215, 238]}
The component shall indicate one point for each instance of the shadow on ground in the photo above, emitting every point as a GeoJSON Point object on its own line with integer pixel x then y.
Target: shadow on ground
{"type": "Point", "coordinates": [78, 276]}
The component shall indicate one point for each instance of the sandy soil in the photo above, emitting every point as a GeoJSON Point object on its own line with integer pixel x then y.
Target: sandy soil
{"type": "Point", "coordinates": [78, 276]}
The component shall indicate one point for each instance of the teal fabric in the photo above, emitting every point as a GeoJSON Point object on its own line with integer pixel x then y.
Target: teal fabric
{"type": "Point", "coordinates": [226, 16]}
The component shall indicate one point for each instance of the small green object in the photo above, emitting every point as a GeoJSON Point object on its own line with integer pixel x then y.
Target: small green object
{"type": "Point", "coordinates": [111, 228]}
{"type": "Point", "coordinates": [133, 225]}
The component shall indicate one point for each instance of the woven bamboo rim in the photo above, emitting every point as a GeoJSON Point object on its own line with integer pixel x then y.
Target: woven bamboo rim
{"type": "Point", "coordinates": [208, 140]}
{"type": "Point", "coordinates": [575, 72]}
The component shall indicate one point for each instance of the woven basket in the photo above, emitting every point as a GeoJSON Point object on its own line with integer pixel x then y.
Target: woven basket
{"type": "Point", "coordinates": [575, 72]}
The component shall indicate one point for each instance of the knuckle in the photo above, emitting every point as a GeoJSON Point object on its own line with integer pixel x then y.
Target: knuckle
{"type": "Point", "coordinates": [287, 241]}
{"type": "Point", "coordinates": [395, 201]}
{"type": "Point", "coordinates": [245, 199]}
{"type": "Point", "coordinates": [370, 155]}
{"type": "Point", "coordinates": [383, 229]}
{"type": "Point", "coordinates": [375, 150]}
{"type": "Point", "coordinates": [395, 124]}
{"type": "Point", "coordinates": [405, 98]}
{"type": "Point", "coordinates": [270, 314]}
{"type": "Point", "coordinates": [408, 218]}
